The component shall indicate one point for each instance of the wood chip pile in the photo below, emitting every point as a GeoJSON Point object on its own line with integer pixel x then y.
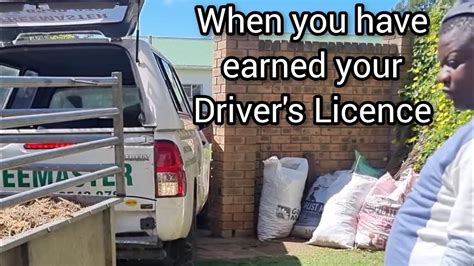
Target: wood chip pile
{"type": "Point", "coordinates": [20, 218]}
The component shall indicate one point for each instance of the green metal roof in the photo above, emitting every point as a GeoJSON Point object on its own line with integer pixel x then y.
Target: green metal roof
{"type": "Point", "coordinates": [198, 52]}
{"type": "Point", "coordinates": [185, 52]}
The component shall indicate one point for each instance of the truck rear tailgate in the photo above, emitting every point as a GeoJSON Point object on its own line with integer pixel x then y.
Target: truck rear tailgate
{"type": "Point", "coordinates": [139, 172]}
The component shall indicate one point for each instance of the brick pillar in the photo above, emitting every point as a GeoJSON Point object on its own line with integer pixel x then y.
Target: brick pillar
{"type": "Point", "coordinates": [232, 195]}
{"type": "Point", "coordinates": [403, 46]}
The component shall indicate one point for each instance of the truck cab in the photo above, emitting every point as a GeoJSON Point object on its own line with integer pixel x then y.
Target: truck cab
{"type": "Point", "coordinates": [167, 157]}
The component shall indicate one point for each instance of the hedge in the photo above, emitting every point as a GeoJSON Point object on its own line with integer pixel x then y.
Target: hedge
{"type": "Point", "coordinates": [424, 87]}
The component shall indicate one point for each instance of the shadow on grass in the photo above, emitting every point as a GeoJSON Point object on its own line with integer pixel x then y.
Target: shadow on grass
{"type": "Point", "coordinates": [259, 261]}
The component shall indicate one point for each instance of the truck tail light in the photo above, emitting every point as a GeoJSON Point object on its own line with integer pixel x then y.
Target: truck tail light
{"type": "Point", "coordinates": [45, 146]}
{"type": "Point", "coordinates": [170, 179]}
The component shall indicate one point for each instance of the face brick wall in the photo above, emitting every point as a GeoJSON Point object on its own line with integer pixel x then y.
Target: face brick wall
{"type": "Point", "coordinates": [239, 150]}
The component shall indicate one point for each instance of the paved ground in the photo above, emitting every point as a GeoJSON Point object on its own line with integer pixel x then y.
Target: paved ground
{"type": "Point", "coordinates": [209, 248]}
{"type": "Point", "coordinates": [285, 252]}
{"type": "Point", "coordinates": [291, 251]}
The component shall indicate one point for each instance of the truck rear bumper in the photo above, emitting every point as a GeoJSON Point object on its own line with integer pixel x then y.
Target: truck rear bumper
{"type": "Point", "coordinates": [172, 216]}
{"type": "Point", "coordinates": [139, 248]}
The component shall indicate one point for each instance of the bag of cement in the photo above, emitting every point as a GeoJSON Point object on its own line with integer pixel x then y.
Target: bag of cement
{"type": "Point", "coordinates": [280, 202]}
{"type": "Point", "coordinates": [380, 207]}
{"type": "Point", "coordinates": [322, 190]}
{"type": "Point", "coordinates": [339, 220]}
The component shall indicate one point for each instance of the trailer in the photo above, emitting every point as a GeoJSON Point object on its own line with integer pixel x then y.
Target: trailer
{"type": "Point", "coordinates": [87, 237]}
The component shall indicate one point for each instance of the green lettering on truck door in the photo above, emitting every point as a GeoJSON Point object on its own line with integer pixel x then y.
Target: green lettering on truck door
{"type": "Point", "coordinates": [105, 180]}
{"type": "Point", "coordinates": [21, 179]}
{"type": "Point", "coordinates": [77, 174]}
{"type": "Point", "coordinates": [62, 176]}
{"type": "Point", "coordinates": [107, 183]}
{"type": "Point", "coordinates": [42, 178]}
{"type": "Point", "coordinates": [128, 174]}
{"type": "Point", "coordinates": [6, 177]}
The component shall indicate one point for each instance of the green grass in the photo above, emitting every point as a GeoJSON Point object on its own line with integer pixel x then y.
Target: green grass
{"type": "Point", "coordinates": [325, 257]}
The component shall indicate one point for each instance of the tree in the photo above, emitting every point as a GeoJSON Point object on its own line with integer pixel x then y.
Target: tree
{"type": "Point", "coordinates": [413, 5]}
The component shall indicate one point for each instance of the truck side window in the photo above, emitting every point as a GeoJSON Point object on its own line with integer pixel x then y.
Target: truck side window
{"type": "Point", "coordinates": [176, 90]}
{"type": "Point", "coordinates": [4, 92]}
{"type": "Point", "coordinates": [99, 98]}
{"type": "Point", "coordinates": [182, 92]}
{"type": "Point", "coordinates": [24, 97]}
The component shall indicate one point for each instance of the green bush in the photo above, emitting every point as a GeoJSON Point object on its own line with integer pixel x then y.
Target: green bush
{"type": "Point", "coordinates": [423, 86]}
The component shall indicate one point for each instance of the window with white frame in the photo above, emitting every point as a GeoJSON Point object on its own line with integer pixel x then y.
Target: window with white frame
{"type": "Point", "coordinates": [192, 90]}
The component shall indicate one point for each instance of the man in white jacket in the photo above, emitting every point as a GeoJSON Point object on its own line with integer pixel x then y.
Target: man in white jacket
{"type": "Point", "coordinates": [435, 225]}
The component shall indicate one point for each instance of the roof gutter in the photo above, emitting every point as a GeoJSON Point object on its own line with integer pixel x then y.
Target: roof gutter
{"type": "Point", "coordinates": [194, 67]}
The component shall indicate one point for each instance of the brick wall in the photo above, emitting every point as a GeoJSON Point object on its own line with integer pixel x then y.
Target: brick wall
{"type": "Point", "coordinates": [239, 150]}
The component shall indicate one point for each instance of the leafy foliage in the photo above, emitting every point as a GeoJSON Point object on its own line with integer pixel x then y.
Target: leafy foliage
{"type": "Point", "coordinates": [424, 87]}
{"type": "Point", "coordinates": [413, 5]}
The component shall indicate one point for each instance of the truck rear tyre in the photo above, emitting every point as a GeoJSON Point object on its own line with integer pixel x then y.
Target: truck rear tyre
{"type": "Point", "coordinates": [182, 251]}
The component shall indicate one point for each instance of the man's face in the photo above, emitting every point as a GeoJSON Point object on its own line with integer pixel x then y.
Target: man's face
{"type": "Point", "coordinates": [456, 55]}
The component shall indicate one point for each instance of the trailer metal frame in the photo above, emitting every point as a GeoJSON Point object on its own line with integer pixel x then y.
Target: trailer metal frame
{"type": "Point", "coordinates": [28, 117]}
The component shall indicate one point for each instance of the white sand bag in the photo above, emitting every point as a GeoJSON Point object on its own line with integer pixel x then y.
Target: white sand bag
{"type": "Point", "coordinates": [321, 191]}
{"type": "Point", "coordinates": [339, 220]}
{"type": "Point", "coordinates": [280, 202]}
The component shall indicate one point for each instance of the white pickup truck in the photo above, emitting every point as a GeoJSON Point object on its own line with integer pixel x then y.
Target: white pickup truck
{"type": "Point", "coordinates": [167, 158]}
